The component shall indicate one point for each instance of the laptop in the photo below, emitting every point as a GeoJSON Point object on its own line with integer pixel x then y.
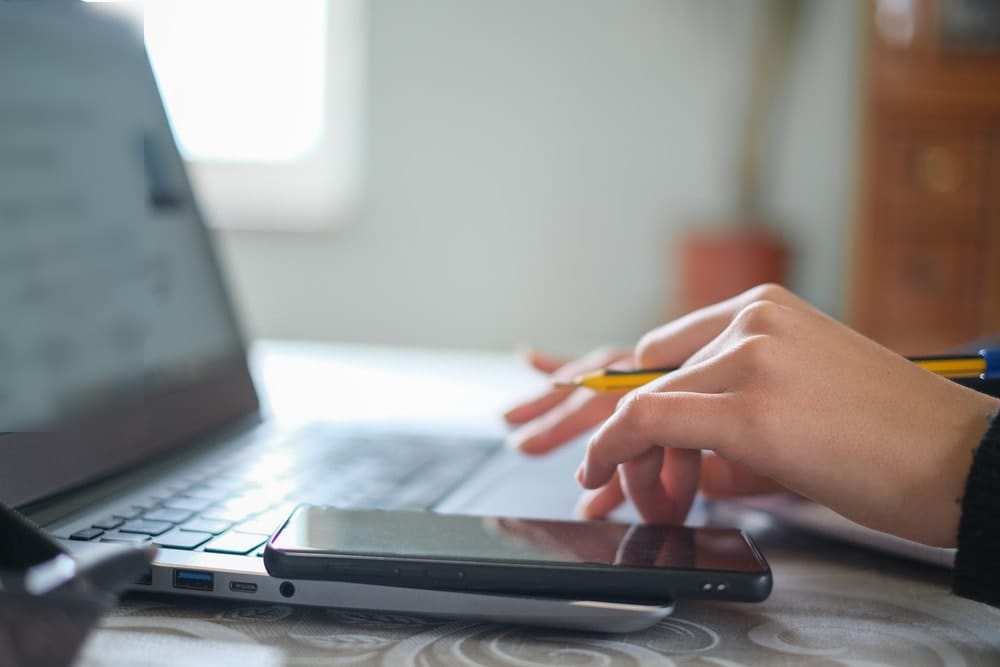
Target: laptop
{"type": "Point", "coordinates": [128, 412]}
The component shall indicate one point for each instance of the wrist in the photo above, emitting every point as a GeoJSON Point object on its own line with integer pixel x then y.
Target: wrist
{"type": "Point", "coordinates": [953, 467]}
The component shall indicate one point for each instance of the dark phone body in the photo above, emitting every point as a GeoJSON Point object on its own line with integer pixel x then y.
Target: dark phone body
{"type": "Point", "coordinates": [594, 560]}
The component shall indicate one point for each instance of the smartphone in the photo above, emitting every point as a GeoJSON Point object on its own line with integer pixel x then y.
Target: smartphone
{"type": "Point", "coordinates": [583, 560]}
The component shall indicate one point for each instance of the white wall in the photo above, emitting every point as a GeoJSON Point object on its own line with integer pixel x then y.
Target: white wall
{"type": "Point", "coordinates": [812, 190]}
{"type": "Point", "coordinates": [530, 162]}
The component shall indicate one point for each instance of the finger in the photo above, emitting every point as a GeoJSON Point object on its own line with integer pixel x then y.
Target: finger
{"type": "Point", "coordinates": [582, 411]}
{"type": "Point", "coordinates": [596, 360]}
{"type": "Point", "coordinates": [530, 409]}
{"type": "Point", "coordinates": [542, 362]}
{"type": "Point", "coordinates": [679, 477]}
{"type": "Point", "coordinates": [661, 483]}
{"type": "Point", "coordinates": [673, 343]}
{"type": "Point", "coordinates": [721, 478]}
{"type": "Point", "coordinates": [640, 480]}
{"type": "Point", "coordinates": [535, 407]}
{"type": "Point", "coordinates": [709, 376]}
{"type": "Point", "coordinates": [664, 493]}
{"type": "Point", "coordinates": [599, 503]}
{"type": "Point", "coordinates": [679, 420]}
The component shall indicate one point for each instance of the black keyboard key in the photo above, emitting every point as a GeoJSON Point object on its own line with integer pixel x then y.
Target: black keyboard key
{"type": "Point", "coordinates": [427, 487]}
{"type": "Point", "coordinates": [86, 534]}
{"type": "Point", "coordinates": [180, 539]}
{"type": "Point", "coordinates": [147, 503]}
{"type": "Point", "coordinates": [109, 523]}
{"type": "Point", "coordinates": [168, 514]}
{"type": "Point", "coordinates": [268, 522]}
{"type": "Point", "coordinates": [146, 527]}
{"type": "Point", "coordinates": [128, 538]}
{"type": "Point", "coordinates": [235, 543]}
{"type": "Point", "coordinates": [213, 494]}
{"type": "Point", "coordinates": [128, 513]}
{"type": "Point", "coordinates": [200, 525]}
{"type": "Point", "coordinates": [224, 514]}
{"type": "Point", "coordinates": [188, 503]}
{"type": "Point", "coordinates": [250, 503]}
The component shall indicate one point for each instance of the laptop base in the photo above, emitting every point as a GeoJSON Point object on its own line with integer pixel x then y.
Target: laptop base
{"type": "Point", "coordinates": [186, 574]}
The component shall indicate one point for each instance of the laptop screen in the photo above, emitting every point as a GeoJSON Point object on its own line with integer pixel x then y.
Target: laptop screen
{"type": "Point", "coordinates": [117, 340]}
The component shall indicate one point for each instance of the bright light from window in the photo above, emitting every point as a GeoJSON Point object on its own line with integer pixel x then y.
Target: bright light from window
{"type": "Point", "coordinates": [242, 80]}
{"type": "Point", "coordinates": [266, 99]}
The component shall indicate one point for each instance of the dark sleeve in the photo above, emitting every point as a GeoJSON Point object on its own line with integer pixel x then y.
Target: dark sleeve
{"type": "Point", "coordinates": [977, 564]}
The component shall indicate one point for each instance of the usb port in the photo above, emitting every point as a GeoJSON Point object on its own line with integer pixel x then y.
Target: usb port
{"type": "Point", "coordinates": [146, 579]}
{"type": "Point", "coordinates": [242, 587]}
{"type": "Point", "coordinates": [194, 580]}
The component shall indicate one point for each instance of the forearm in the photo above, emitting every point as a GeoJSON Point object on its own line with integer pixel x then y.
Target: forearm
{"type": "Point", "coordinates": [977, 565]}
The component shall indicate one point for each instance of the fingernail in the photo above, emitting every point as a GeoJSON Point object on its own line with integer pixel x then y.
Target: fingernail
{"type": "Point", "coordinates": [514, 441]}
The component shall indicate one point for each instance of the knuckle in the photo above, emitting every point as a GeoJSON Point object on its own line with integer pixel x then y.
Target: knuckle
{"type": "Point", "coordinates": [754, 355]}
{"type": "Point", "coordinates": [769, 292]}
{"type": "Point", "coordinates": [760, 316]}
{"type": "Point", "coordinates": [636, 411]}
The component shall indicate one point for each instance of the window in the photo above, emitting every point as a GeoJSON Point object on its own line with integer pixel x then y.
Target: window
{"type": "Point", "coordinates": [242, 80]}
{"type": "Point", "coordinates": [265, 100]}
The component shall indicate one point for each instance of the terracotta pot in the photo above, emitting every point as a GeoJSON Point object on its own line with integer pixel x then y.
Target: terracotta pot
{"type": "Point", "coordinates": [715, 265]}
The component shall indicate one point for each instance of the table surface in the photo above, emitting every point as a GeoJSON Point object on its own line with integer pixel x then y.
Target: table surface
{"type": "Point", "coordinates": [832, 603]}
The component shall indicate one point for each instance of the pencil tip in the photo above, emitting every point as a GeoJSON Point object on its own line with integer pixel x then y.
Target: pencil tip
{"type": "Point", "coordinates": [563, 383]}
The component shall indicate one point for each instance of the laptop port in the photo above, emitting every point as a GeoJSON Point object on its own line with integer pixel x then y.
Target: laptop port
{"type": "Point", "coordinates": [242, 587]}
{"type": "Point", "coordinates": [146, 578]}
{"type": "Point", "coordinates": [194, 580]}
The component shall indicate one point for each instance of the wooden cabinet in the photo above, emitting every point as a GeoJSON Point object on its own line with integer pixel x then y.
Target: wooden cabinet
{"type": "Point", "coordinates": [928, 238]}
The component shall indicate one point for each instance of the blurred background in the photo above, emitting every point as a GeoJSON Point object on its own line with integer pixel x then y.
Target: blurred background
{"type": "Point", "coordinates": [570, 173]}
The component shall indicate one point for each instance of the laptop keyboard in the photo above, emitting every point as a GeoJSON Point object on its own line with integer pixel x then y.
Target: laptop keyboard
{"type": "Point", "coordinates": [232, 505]}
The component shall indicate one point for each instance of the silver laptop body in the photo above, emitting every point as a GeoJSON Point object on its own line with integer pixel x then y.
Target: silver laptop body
{"type": "Point", "coordinates": [127, 407]}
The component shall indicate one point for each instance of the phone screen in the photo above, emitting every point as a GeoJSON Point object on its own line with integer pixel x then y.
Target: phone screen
{"type": "Point", "coordinates": [426, 535]}
{"type": "Point", "coordinates": [510, 554]}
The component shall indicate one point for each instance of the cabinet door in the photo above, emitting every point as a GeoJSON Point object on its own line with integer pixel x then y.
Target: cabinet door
{"type": "Point", "coordinates": [927, 295]}
{"type": "Point", "coordinates": [926, 233]}
{"type": "Point", "coordinates": [929, 178]}
{"type": "Point", "coordinates": [990, 307]}
{"type": "Point", "coordinates": [928, 270]}
{"type": "Point", "coordinates": [933, 167]}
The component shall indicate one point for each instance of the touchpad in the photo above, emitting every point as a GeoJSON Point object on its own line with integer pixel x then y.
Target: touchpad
{"type": "Point", "coordinates": [534, 487]}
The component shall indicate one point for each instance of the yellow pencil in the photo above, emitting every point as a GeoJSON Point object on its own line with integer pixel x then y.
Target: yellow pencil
{"type": "Point", "coordinates": [985, 365]}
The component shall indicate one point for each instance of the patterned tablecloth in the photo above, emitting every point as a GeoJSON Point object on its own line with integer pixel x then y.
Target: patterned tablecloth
{"type": "Point", "coordinates": [832, 605]}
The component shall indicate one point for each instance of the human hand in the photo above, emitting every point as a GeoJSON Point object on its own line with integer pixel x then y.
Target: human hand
{"type": "Point", "coordinates": [789, 394]}
{"type": "Point", "coordinates": [559, 414]}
